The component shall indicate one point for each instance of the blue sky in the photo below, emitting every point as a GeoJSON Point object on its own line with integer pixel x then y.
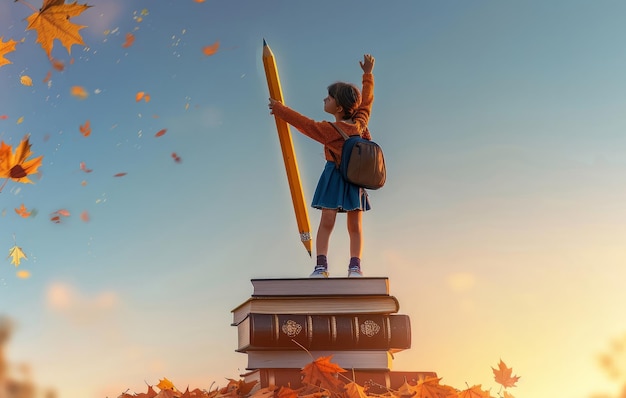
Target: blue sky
{"type": "Point", "coordinates": [501, 226]}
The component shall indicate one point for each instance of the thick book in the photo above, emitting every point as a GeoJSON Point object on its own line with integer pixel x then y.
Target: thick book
{"type": "Point", "coordinates": [378, 382]}
{"type": "Point", "coordinates": [320, 286]}
{"type": "Point", "coordinates": [324, 332]}
{"type": "Point", "coordinates": [347, 359]}
{"type": "Point", "coordinates": [316, 305]}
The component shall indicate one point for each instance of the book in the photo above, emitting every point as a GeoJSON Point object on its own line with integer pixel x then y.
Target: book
{"type": "Point", "coordinates": [324, 332]}
{"type": "Point", "coordinates": [320, 286]}
{"type": "Point", "coordinates": [347, 359]}
{"type": "Point", "coordinates": [377, 381]}
{"type": "Point", "coordinates": [316, 305]}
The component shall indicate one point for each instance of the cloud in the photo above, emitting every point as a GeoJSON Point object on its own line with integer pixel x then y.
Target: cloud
{"type": "Point", "coordinates": [65, 300]}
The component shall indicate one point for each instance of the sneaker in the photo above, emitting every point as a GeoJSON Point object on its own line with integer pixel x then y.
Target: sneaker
{"type": "Point", "coordinates": [319, 272]}
{"type": "Point", "coordinates": [354, 272]}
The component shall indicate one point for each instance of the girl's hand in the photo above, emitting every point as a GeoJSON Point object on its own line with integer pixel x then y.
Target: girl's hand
{"type": "Point", "coordinates": [271, 105]}
{"type": "Point", "coordinates": [368, 63]}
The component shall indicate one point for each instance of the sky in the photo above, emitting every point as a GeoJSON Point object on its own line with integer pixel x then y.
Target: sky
{"type": "Point", "coordinates": [501, 226]}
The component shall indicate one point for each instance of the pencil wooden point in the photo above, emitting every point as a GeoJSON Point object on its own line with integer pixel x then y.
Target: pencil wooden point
{"type": "Point", "coordinates": [289, 154]}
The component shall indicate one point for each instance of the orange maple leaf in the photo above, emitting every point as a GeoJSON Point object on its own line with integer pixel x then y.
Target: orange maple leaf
{"type": "Point", "coordinates": [502, 375]}
{"type": "Point", "coordinates": [16, 165]}
{"type": "Point", "coordinates": [211, 49]}
{"type": "Point", "coordinates": [283, 392]}
{"type": "Point", "coordinates": [22, 211]}
{"type": "Point", "coordinates": [52, 21]}
{"type": "Point", "coordinates": [130, 39]}
{"type": "Point", "coordinates": [165, 384]}
{"type": "Point", "coordinates": [429, 387]}
{"type": "Point", "coordinates": [324, 372]}
{"type": "Point", "coordinates": [85, 129]}
{"type": "Point", "coordinates": [474, 392]}
{"type": "Point", "coordinates": [5, 48]}
{"type": "Point", "coordinates": [79, 92]}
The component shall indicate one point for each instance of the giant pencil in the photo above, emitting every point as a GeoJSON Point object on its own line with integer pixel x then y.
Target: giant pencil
{"type": "Point", "coordinates": [289, 155]}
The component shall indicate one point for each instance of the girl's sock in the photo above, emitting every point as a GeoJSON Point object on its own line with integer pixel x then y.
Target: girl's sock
{"type": "Point", "coordinates": [322, 261]}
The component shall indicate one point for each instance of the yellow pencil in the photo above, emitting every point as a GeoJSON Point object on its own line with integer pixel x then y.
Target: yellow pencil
{"type": "Point", "coordinates": [289, 155]}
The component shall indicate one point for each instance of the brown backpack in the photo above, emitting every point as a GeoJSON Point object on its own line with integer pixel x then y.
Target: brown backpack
{"type": "Point", "coordinates": [362, 161]}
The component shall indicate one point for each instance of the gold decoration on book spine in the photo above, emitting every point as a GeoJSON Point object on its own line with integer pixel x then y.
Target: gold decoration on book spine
{"type": "Point", "coordinates": [370, 328]}
{"type": "Point", "coordinates": [291, 328]}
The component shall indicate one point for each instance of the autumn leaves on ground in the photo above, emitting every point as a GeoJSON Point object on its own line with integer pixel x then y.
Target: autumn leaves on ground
{"type": "Point", "coordinates": [320, 380]}
{"type": "Point", "coordinates": [53, 21]}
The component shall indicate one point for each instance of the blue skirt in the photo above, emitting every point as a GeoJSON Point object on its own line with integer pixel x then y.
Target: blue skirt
{"type": "Point", "coordinates": [333, 192]}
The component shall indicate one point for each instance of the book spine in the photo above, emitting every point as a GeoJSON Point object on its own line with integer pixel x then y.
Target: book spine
{"type": "Point", "coordinates": [324, 332]}
{"type": "Point", "coordinates": [378, 382]}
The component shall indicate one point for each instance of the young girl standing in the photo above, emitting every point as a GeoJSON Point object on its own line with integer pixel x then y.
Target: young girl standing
{"type": "Point", "coordinates": [351, 110]}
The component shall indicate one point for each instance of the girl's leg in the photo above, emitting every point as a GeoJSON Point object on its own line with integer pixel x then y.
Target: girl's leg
{"type": "Point", "coordinates": [355, 231]}
{"type": "Point", "coordinates": [327, 223]}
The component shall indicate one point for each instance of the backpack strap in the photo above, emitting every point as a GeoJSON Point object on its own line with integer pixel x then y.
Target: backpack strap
{"type": "Point", "coordinates": [339, 130]}
{"type": "Point", "coordinates": [345, 137]}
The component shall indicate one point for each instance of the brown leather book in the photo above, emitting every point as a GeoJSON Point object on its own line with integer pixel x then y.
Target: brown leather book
{"type": "Point", "coordinates": [324, 332]}
{"type": "Point", "coordinates": [378, 382]}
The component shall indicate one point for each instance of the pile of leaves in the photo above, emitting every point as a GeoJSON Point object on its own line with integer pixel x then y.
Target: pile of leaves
{"type": "Point", "coordinates": [320, 378]}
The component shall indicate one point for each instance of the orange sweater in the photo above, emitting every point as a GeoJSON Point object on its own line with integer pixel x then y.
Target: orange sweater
{"type": "Point", "coordinates": [326, 134]}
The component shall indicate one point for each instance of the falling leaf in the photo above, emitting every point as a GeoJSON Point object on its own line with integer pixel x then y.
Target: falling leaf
{"type": "Point", "coordinates": [130, 39]}
{"type": "Point", "coordinates": [55, 219]}
{"type": "Point", "coordinates": [16, 255]}
{"type": "Point", "coordinates": [19, 120]}
{"type": "Point", "coordinates": [119, 174]}
{"type": "Point", "coordinates": [84, 216]}
{"type": "Point", "coordinates": [5, 48]}
{"type": "Point", "coordinates": [63, 212]}
{"type": "Point", "coordinates": [23, 274]}
{"type": "Point", "coordinates": [176, 158]}
{"type": "Point", "coordinates": [4, 117]}
{"type": "Point", "coordinates": [48, 77]}
{"type": "Point", "coordinates": [84, 168]}
{"type": "Point", "coordinates": [502, 375]}
{"type": "Point", "coordinates": [26, 80]}
{"type": "Point", "coordinates": [22, 211]}
{"type": "Point", "coordinates": [199, 1]}
{"type": "Point", "coordinates": [57, 64]}
{"type": "Point", "coordinates": [16, 165]}
{"type": "Point", "coordinates": [85, 129]}
{"type": "Point", "coordinates": [142, 96]}
{"type": "Point", "coordinates": [211, 49]}
{"type": "Point", "coordinates": [52, 21]}
{"type": "Point", "coordinates": [160, 132]}
{"type": "Point", "coordinates": [508, 395]}
{"type": "Point", "coordinates": [79, 92]}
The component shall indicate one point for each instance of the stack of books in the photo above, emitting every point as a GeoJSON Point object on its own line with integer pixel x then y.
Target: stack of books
{"type": "Point", "coordinates": [288, 323]}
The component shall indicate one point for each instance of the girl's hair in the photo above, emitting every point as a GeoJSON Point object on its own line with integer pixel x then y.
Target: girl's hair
{"type": "Point", "coordinates": [347, 96]}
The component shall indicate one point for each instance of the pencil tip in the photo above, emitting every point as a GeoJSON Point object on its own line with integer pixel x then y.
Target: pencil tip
{"type": "Point", "coordinates": [264, 42]}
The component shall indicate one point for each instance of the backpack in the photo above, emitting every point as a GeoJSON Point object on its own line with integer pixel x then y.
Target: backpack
{"type": "Point", "coordinates": [362, 161]}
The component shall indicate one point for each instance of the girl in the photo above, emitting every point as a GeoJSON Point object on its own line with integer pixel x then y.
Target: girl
{"type": "Point", "coordinates": [351, 110]}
